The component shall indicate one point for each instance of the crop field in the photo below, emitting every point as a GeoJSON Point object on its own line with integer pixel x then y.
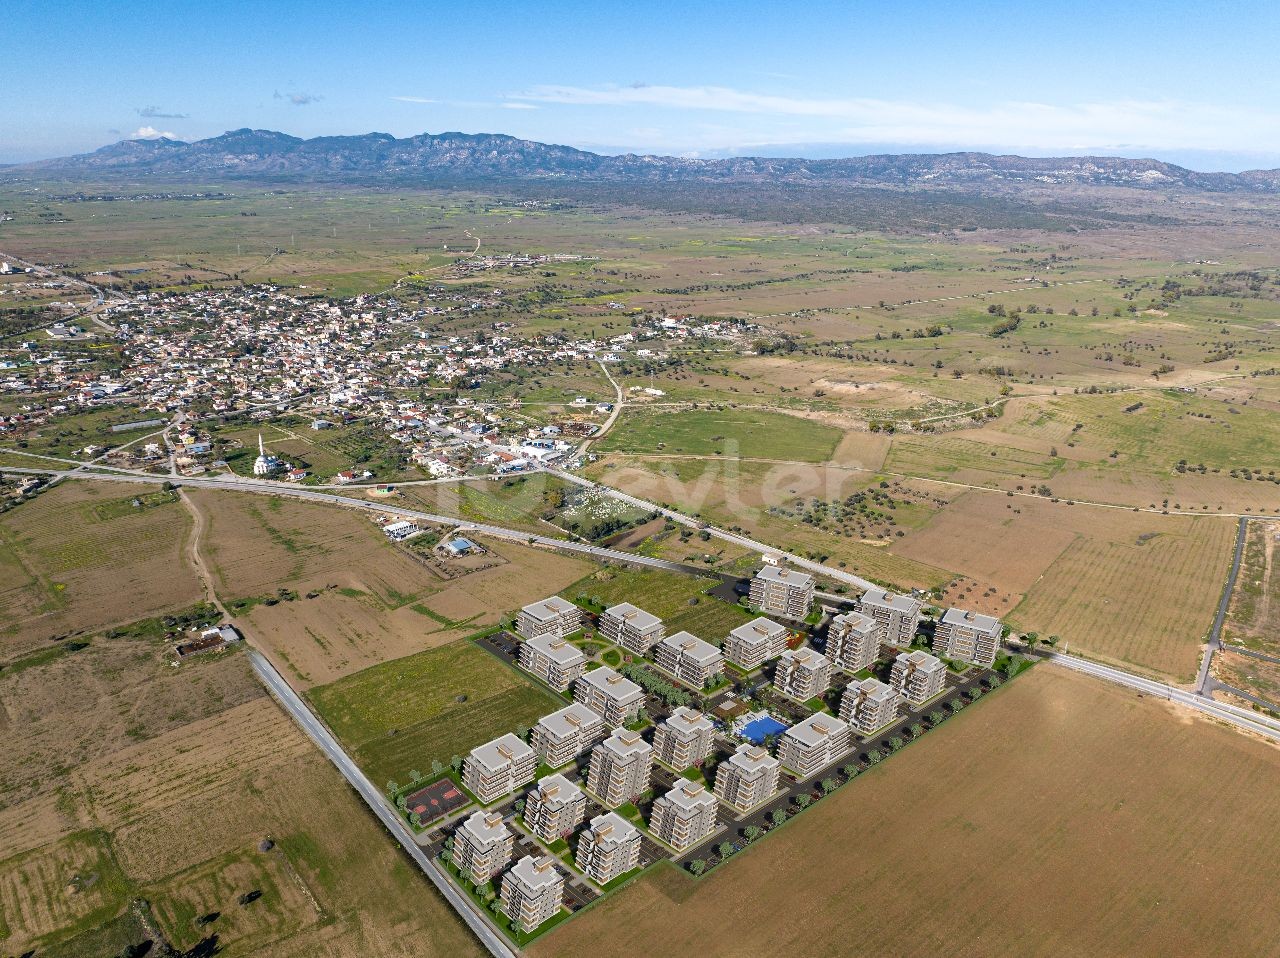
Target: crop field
{"type": "Point", "coordinates": [59, 556]}
{"type": "Point", "coordinates": [1118, 835]}
{"type": "Point", "coordinates": [1141, 593]}
{"type": "Point", "coordinates": [400, 715]}
{"type": "Point", "coordinates": [679, 600]}
{"type": "Point", "coordinates": [748, 433]}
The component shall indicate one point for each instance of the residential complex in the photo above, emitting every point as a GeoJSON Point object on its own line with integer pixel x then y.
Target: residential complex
{"type": "Point", "coordinates": [607, 848]}
{"type": "Point", "coordinates": [918, 676]}
{"type": "Point", "coordinates": [684, 739]}
{"type": "Point", "coordinates": [802, 674]}
{"type": "Point", "coordinates": [552, 616]}
{"type": "Point", "coordinates": [747, 777]}
{"type": "Point", "coordinates": [610, 695]}
{"type": "Point", "coordinates": [555, 660]}
{"type": "Point", "coordinates": [532, 892]}
{"type": "Point", "coordinates": [631, 627]}
{"type": "Point", "coordinates": [620, 767]}
{"type": "Point", "coordinates": [810, 746]}
{"type": "Point", "coordinates": [562, 736]}
{"type": "Point", "coordinates": [689, 659]}
{"type": "Point", "coordinates": [967, 637]}
{"type": "Point", "coordinates": [482, 846]}
{"type": "Point", "coordinates": [554, 808]}
{"type": "Point", "coordinates": [498, 768]}
{"type": "Point", "coordinates": [784, 592]}
{"type": "Point", "coordinates": [853, 641]}
{"type": "Point", "coordinates": [870, 705]}
{"type": "Point", "coordinates": [685, 815]}
{"type": "Point", "coordinates": [897, 614]}
{"type": "Point", "coordinates": [752, 644]}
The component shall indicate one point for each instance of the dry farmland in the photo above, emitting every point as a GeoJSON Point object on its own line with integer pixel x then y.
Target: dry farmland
{"type": "Point", "coordinates": [1121, 850]}
{"type": "Point", "coordinates": [62, 562]}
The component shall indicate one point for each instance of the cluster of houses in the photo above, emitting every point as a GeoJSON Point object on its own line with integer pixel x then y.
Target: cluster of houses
{"type": "Point", "coordinates": [601, 719]}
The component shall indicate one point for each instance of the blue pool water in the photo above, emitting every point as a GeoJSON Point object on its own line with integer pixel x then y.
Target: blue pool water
{"type": "Point", "coordinates": [759, 729]}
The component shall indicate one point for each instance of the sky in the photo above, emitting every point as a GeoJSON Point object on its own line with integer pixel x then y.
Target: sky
{"type": "Point", "coordinates": [1192, 83]}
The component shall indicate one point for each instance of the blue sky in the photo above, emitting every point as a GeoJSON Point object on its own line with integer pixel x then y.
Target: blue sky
{"type": "Point", "coordinates": [1196, 83]}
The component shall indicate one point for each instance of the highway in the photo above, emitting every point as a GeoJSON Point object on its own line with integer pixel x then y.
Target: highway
{"type": "Point", "coordinates": [479, 922]}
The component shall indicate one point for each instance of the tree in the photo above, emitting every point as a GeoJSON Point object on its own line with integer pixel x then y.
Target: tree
{"type": "Point", "coordinates": [803, 801]}
{"type": "Point", "coordinates": [415, 775]}
{"type": "Point", "coordinates": [828, 785]}
{"type": "Point", "coordinates": [917, 730]}
{"type": "Point", "coordinates": [392, 787]}
{"type": "Point", "coordinates": [436, 766]}
{"type": "Point", "coordinates": [850, 770]}
{"type": "Point", "coordinates": [778, 816]}
{"type": "Point", "coordinates": [874, 756]}
{"type": "Point", "coordinates": [697, 866]}
{"type": "Point", "coordinates": [416, 819]}
{"type": "Point", "coordinates": [456, 763]}
{"type": "Point", "coordinates": [936, 717]}
{"type": "Point", "coordinates": [724, 849]}
{"type": "Point", "coordinates": [751, 833]}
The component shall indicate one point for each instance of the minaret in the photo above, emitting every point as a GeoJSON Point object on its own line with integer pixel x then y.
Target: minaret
{"type": "Point", "coordinates": [262, 451]}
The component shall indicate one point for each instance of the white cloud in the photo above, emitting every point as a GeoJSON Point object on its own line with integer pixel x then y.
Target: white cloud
{"type": "Point", "coordinates": [515, 105]}
{"type": "Point", "coordinates": [151, 133]}
{"type": "Point", "coordinates": [1120, 123]}
{"type": "Point", "coordinates": [414, 99]}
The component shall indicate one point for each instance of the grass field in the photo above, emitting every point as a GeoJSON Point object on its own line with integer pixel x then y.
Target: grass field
{"type": "Point", "coordinates": [679, 600]}
{"type": "Point", "coordinates": [1025, 793]}
{"type": "Point", "coordinates": [399, 716]}
{"type": "Point", "coordinates": [751, 433]}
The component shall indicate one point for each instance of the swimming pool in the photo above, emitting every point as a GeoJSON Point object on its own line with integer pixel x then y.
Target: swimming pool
{"type": "Point", "coordinates": [760, 728]}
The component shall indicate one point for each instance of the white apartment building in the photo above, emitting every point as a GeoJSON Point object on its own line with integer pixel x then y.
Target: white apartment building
{"type": "Point", "coordinates": [498, 768]}
{"type": "Point", "coordinates": [685, 815]}
{"type": "Point", "coordinates": [482, 846]}
{"type": "Point", "coordinates": [869, 705]}
{"type": "Point", "coordinates": [968, 637]}
{"type": "Point", "coordinates": [753, 643]}
{"type": "Point", "coordinates": [532, 892]}
{"type": "Point", "coordinates": [918, 676]}
{"type": "Point", "coordinates": [802, 674]}
{"type": "Point", "coordinates": [785, 592]}
{"type": "Point", "coordinates": [853, 641]}
{"type": "Point", "coordinates": [810, 746]}
{"type": "Point", "coordinates": [631, 627]}
{"type": "Point", "coordinates": [688, 659]}
{"type": "Point", "coordinates": [684, 739]}
{"type": "Point", "coordinates": [607, 848]}
{"type": "Point", "coordinates": [747, 777]}
{"type": "Point", "coordinates": [556, 661]}
{"type": "Point", "coordinates": [620, 768]}
{"type": "Point", "coordinates": [897, 614]}
{"type": "Point", "coordinates": [562, 736]}
{"type": "Point", "coordinates": [554, 808]}
{"type": "Point", "coordinates": [552, 616]}
{"type": "Point", "coordinates": [615, 697]}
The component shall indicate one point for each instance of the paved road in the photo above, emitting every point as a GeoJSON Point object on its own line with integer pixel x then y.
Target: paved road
{"type": "Point", "coordinates": [478, 922]}
{"type": "Point", "coordinates": [795, 560]}
{"type": "Point", "coordinates": [1241, 718]}
{"type": "Point", "coordinates": [1204, 686]}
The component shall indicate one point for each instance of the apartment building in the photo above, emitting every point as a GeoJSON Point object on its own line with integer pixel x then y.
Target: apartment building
{"type": "Point", "coordinates": [554, 808]}
{"type": "Point", "coordinates": [684, 739]}
{"type": "Point", "coordinates": [532, 892]}
{"type": "Point", "coordinates": [968, 637]}
{"type": "Point", "coordinates": [853, 641]}
{"type": "Point", "coordinates": [556, 661]}
{"type": "Point", "coordinates": [685, 815]}
{"type": "Point", "coordinates": [747, 777]}
{"type": "Point", "coordinates": [620, 767]}
{"type": "Point", "coordinates": [562, 736]}
{"type": "Point", "coordinates": [810, 746]}
{"type": "Point", "coordinates": [498, 768]}
{"type": "Point", "coordinates": [612, 696]}
{"type": "Point", "coordinates": [607, 848]}
{"type": "Point", "coordinates": [897, 615]}
{"type": "Point", "coordinates": [552, 616]}
{"type": "Point", "coordinates": [482, 846]}
{"type": "Point", "coordinates": [785, 592]}
{"type": "Point", "coordinates": [631, 627]}
{"type": "Point", "coordinates": [752, 644]}
{"type": "Point", "coordinates": [802, 674]}
{"type": "Point", "coordinates": [918, 676]}
{"type": "Point", "coordinates": [688, 659]}
{"type": "Point", "coordinates": [869, 705]}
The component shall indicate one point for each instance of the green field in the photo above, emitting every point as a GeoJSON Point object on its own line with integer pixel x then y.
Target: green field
{"type": "Point", "coordinates": [679, 600]}
{"type": "Point", "coordinates": [749, 433]}
{"type": "Point", "coordinates": [400, 715]}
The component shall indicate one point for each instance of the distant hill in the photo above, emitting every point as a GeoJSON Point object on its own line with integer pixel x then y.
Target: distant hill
{"type": "Point", "coordinates": [462, 156]}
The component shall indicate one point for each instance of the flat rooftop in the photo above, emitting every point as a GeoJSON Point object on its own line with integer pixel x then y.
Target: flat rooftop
{"type": "Point", "coordinates": [548, 609]}
{"type": "Point", "coordinates": [633, 615]}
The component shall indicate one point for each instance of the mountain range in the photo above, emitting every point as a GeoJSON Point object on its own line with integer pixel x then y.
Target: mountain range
{"type": "Point", "coordinates": [461, 156]}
